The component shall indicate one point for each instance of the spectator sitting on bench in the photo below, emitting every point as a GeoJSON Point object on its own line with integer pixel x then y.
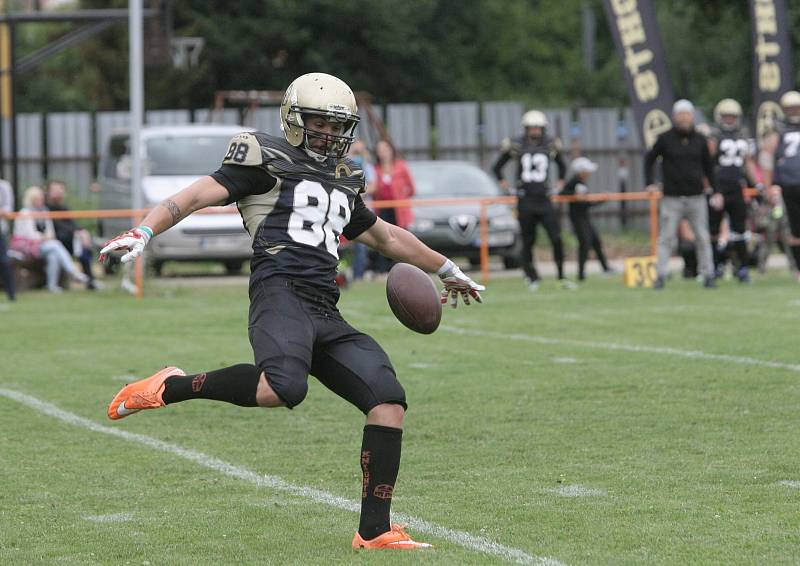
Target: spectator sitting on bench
{"type": "Point", "coordinates": [77, 241]}
{"type": "Point", "coordinates": [37, 237]}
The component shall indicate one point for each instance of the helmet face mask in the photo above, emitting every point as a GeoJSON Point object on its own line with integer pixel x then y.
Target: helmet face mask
{"type": "Point", "coordinates": [324, 96]}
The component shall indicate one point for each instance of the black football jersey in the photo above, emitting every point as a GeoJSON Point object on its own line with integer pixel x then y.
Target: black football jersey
{"type": "Point", "coordinates": [294, 207]}
{"type": "Point", "coordinates": [787, 165]}
{"type": "Point", "coordinates": [533, 159]}
{"type": "Point", "coordinates": [733, 149]}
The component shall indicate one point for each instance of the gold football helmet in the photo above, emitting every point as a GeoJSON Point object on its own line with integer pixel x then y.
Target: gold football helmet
{"type": "Point", "coordinates": [319, 94]}
{"type": "Point", "coordinates": [790, 102]}
{"type": "Point", "coordinates": [728, 107]}
{"type": "Point", "coordinates": [534, 119]}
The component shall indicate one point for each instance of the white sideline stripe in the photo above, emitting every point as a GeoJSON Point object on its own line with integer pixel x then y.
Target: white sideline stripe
{"type": "Point", "coordinates": [790, 483]}
{"type": "Point", "coordinates": [694, 354]}
{"type": "Point", "coordinates": [111, 518]}
{"type": "Point", "coordinates": [576, 490]}
{"type": "Point", "coordinates": [464, 539]}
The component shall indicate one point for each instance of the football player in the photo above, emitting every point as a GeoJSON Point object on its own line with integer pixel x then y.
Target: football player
{"type": "Point", "coordinates": [733, 150]}
{"type": "Point", "coordinates": [297, 196]}
{"type": "Point", "coordinates": [533, 153]}
{"type": "Point", "coordinates": [780, 162]}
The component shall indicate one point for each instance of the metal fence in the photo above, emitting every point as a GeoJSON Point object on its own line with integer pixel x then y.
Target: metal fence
{"type": "Point", "coordinates": [68, 145]}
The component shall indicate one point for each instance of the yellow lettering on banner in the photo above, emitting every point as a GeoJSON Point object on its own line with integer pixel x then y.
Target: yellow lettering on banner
{"type": "Point", "coordinates": [655, 123]}
{"type": "Point", "coordinates": [636, 60]}
{"type": "Point", "coordinates": [631, 29]}
{"type": "Point", "coordinates": [5, 68]}
{"type": "Point", "coordinates": [769, 77]}
{"type": "Point", "coordinates": [766, 19]}
{"type": "Point", "coordinates": [640, 272]}
{"type": "Point", "coordinates": [622, 7]}
{"type": "Point", "coordinates": [646, 86]}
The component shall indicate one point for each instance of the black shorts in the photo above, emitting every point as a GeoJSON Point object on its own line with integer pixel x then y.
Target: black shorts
{"type": "Point", "coordinates": [791, 199]}
{"type": "Point", "coordinates": [296, 331]}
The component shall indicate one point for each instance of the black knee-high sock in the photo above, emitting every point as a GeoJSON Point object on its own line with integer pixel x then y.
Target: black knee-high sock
{"type": "Point", "coordinates": [380, 461]}
{"type": "Point", "coordinates": [796, 255]}
{"type": "Point", "coordinates": [740, 248]}
{"type": "Point", "coordinates": [236, 384]}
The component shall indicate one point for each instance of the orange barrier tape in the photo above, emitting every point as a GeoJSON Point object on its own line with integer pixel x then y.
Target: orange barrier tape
{"type": "Point", "coordinates": [483, 202]}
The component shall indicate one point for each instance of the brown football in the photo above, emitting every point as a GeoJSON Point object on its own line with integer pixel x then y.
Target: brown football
{"type": "Point", "coordinates": [414, 298]}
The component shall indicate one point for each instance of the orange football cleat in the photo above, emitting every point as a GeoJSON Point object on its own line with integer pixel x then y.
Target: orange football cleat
{"type": "Point", "coordinates": [144, 394]}
{"type": "Point", "coordinates": [396, 538]}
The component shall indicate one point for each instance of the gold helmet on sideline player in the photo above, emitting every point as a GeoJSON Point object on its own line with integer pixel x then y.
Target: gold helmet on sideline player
{"type": "Point", "coordinates": [728, 107]}
{"type": "Point", "coordinates": [791, 100]}
{"type": "Point", "coordinates": [319, 94]}
{"type": "Point", "coordinates": [534, 119]}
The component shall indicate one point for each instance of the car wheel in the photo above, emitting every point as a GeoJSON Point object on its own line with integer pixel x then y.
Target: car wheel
{"type": "Point", "coordinates": [510, 262]}
{"type": "Point", "coordinates": [158, 267]}
{"type": "Point", "coordinates": [234, 267]}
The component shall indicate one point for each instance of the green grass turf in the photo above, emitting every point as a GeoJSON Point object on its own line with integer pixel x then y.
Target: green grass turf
{"type": "Point", "coordinates": [688, 453]}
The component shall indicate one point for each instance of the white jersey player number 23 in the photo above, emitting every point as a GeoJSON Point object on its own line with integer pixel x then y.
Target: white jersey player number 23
{"type": "Point", "coordinates": [318, 216]}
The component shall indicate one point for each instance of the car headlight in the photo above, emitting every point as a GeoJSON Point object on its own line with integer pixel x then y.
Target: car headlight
{"type": "Point", "coordinates": [503, 222]}
{"type": "Point", "coordinates": [422, 225]}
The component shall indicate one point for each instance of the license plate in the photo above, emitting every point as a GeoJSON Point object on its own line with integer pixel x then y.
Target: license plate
{"type": "Point", "coordinates": [500, 239]}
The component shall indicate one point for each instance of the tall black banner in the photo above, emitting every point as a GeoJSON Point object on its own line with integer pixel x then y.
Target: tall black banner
{"type": "Point", "coordinates": [772, 61]}
{"type": "Point", "coordinates": [635, 30]}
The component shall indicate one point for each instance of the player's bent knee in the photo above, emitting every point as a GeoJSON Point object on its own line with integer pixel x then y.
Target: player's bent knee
{"type": "Point", "coordinates": [292, 393]}
{"type": "Point", "coordinates": [387, 414]}
{"type": "Point", "coordinates": [265, 394]}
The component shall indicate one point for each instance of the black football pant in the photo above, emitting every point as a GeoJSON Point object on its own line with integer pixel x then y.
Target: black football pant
{"type": "Point", "coordinates": [529, 220]}
{"type": "Point", "coordinates": [736, 209]}
{"type": "Point", "coordinates": [588, 239]}
{"type": "Point", "coordinates": [6, 276]}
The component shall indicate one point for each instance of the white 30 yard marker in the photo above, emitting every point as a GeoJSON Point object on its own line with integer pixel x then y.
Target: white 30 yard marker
{"type": "Point", "coordinates": [471, 542]}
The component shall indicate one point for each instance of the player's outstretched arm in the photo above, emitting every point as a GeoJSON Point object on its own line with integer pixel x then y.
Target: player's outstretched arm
{"type": "Point", "coordinates": [401, 245]}
{"type": "Point", "coordinates": [200, 194]}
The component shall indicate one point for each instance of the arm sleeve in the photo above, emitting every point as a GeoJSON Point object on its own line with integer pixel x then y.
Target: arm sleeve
{"type": "Point", "coordinates": [708, 166]}
{"type": "Point", "coordinates": [561, 164]}
{"type": "Point", "coordinates": [650, 160]}
{"type": "Point", "coordinates": [502, 159]}
{"type": "Point", "coordinates": [361, 220]}
{"type": "Point", "coordinates": [242, 181]}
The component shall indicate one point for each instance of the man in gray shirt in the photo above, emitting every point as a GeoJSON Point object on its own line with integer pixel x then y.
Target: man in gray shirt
{"type": "Point", "coordinates": [6, 206]}
{"type": "Point", "coordinates": [688, 171]}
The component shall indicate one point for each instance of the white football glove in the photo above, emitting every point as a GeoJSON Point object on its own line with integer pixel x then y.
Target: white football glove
{"type": "Point", "coordinates": [456, 283]}
{"type": "Point", "coordinates": [134, 241]}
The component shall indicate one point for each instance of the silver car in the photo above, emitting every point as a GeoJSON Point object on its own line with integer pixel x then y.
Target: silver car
{"type": "Point", "coordinates": [173, 158]}
{"type": "Point", "coordinates": [454, 230]}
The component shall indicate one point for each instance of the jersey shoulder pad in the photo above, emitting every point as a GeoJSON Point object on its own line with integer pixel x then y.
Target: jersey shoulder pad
{"type": "Point", "coordinates": [244, 149]}
{"type": "Point", "coordinates": [510, 145]}
{"type": "Point", "coordinates": [555, 145]}
{"type": "Point", "coordinates": [348, 169]}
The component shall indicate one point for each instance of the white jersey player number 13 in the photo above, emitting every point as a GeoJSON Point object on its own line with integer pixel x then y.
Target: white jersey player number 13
{"type": "Point", "coordinates": [318, 216]}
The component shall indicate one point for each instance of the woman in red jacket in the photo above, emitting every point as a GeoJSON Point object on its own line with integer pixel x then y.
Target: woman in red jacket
{"type": "Point", "coordinates": [394, 182]}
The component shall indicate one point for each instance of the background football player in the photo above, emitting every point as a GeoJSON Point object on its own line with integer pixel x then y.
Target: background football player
{"type": "Point", "coordinates": [780, 162]}
{"type": "Point", "coordinates": [733, 151]}
{"type": "Point", "coordinates": [296, 197]}
{"type": "Point", "coordinates": [533, 152]}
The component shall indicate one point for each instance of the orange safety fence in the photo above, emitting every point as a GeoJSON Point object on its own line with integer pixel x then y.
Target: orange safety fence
{"type": "Point", "coordinates": [483, 202]}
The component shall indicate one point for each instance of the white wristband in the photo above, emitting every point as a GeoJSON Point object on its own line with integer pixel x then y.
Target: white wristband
{"type": "Point", "coordinates": [446, 266]}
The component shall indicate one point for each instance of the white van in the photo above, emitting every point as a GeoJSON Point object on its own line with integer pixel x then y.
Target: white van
{"type": "Point", "coordinates": [172, 158]}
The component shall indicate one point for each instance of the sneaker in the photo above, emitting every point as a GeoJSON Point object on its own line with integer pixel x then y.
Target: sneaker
{"type": "Point", "coordinates": [710, 283]}
{"type": "Point", "coordinates": [128, 286]}
{"type": "Point", "coordinates": [659, 284]}
{"type": "Point", "coordinates": [144, 394]}
{"type": "Point", "coordinates": [533, 284]}
{"type": "Point", "coordinates": [568, 285]}
{"type": "Point", "coordinates": [743, 275]}
{"type": "Point", "coordinates": [396, 538]}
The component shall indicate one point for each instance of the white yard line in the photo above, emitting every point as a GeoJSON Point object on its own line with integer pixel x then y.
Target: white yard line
{"type": "Point", "coordinates": [576, 490]}
{"type": "Point", "coordinates": [461, 538]}
{"type": "Point", "coordinates": [693, 354]}
{"type": "Point", "coordinates": [790, 483]}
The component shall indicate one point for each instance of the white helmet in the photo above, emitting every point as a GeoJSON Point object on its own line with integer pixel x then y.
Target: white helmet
{"type": "Point", "coordinates": [534, 119]}
{"type": "Point", "coordinates": [728, 107]}
{"type": "Point", "coordinates": [324, 95]}
{"type": "Point", "coordinates": [791, 99]}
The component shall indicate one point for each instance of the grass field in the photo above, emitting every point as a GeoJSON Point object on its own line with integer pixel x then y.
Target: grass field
{"type": "Point", "coordinates": [603, 426]}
